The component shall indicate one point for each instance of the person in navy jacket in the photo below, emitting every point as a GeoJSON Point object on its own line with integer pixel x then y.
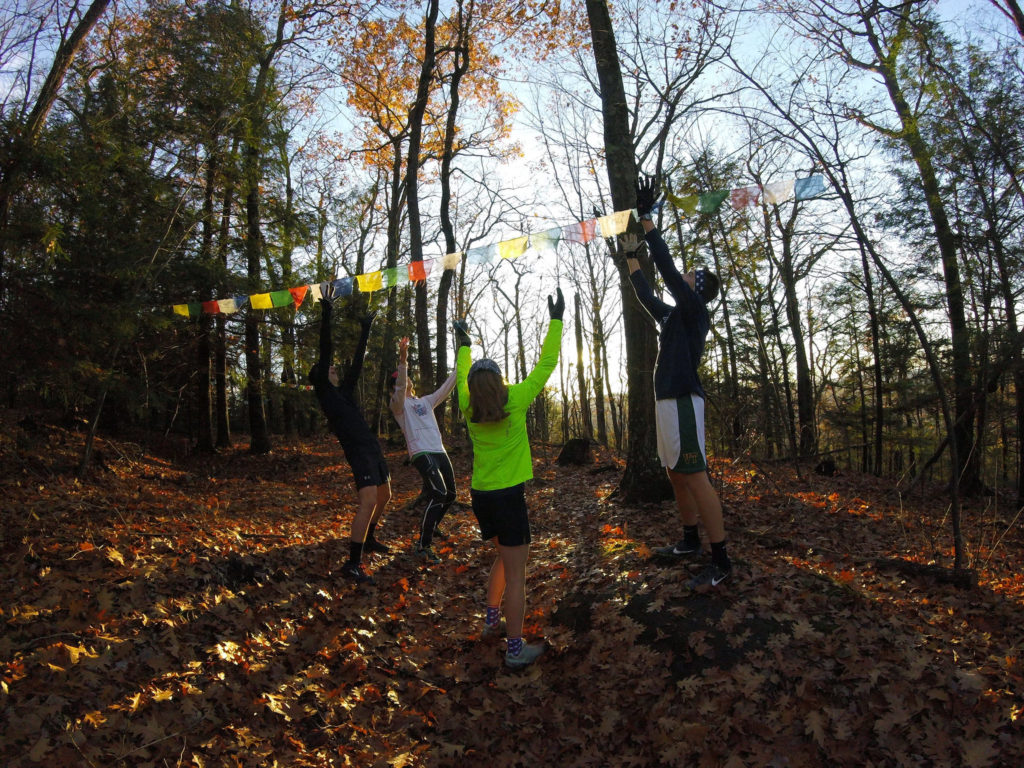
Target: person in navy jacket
{"type": "Point", "coordinates": [683, 328]}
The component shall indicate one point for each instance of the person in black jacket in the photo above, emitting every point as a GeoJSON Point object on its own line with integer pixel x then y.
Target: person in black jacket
{"type": "Point", "coordinates": [360, 444]}
{"type": "Point", "coordinates": [683, 330]}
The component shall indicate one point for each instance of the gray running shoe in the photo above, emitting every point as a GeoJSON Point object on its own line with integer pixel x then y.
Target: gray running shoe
{"type": "Point", "coordinates": [526, 656]}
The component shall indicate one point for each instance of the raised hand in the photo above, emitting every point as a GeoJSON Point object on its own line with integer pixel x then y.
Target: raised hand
{"type": "Point", "coordinates": [462, 334]}
{"type": "Point", "coordinates": [647, 193]}
{"type": "Point", "coordinates": [556, 308]}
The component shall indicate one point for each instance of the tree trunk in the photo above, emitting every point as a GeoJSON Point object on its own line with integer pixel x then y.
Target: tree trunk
{"type": "Point", "coordinates": [581, 377]}
{"type": "Point", "coordinates": [459, 68]}
{"type": "Point", "coordinates": [416, 114]}
{"type": "Point", "coordinates": [644, 479]}
{"type": "Point", "coordinates": [259, 436]}
{"type": "Point", "coordinates": [204, 426]}
{"type": "Point", "coordinates": [966, 470]}
{"type": "Point", "coordinates": [220, 371]}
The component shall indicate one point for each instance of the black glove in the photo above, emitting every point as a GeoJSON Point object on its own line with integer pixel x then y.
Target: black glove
{"type": "Point", "coordinates": [462, 334]}
{"type": "Point", "coordinates": [327, 293]}
{"type": "Point", "coordinates": [647, 193]}
{"type": "Point", "coordinates": [326, 305]}
{"type": "Point", "coordinates": [367, 320]}
{"type": "Point", "coordinates": [556, 308]}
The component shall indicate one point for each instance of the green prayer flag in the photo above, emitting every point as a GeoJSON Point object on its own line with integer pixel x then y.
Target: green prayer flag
{"type": "Point", "coordinates": [709, 202]}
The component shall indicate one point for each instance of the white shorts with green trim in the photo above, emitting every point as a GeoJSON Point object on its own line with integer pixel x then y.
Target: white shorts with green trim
{"type": "Point", "coordinates": [680, 424]}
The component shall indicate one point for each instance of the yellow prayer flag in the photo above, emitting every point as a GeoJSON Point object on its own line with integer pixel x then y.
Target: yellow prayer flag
{"type": "Point", "coordinates": [261, 301]}
{"type": "Point", "coordinates": [451, 260]}
{"type": "Point", "coordinates": [371, 281]}
{"type": "Point", "coordinates": [614, 223]}
{"type": "Point", "coordinates": [181, 309]}
{"type": "Point", "coordinates": [510, 249]}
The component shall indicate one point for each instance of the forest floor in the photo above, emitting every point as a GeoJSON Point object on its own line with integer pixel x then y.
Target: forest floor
{"type": "Point", "coordinates": [185, 610]}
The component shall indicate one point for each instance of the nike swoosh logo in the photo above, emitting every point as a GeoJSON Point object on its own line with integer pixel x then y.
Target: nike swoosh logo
{"type": "Point", "coordinates": [715, 581]}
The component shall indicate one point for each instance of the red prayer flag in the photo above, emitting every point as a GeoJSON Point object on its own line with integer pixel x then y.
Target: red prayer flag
{"type": "Point", "coordinates": [419, 270]}
{"type": "Point", "coordinates": [299, 294]}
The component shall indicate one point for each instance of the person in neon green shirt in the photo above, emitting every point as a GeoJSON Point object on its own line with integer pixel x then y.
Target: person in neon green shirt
{"type": "Point", "coordinates": [496, 419]}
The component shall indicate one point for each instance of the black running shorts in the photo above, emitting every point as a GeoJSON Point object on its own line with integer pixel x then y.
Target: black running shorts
{"type": "Point", "coordinates": [368, 465]}
{"type": "Point", "coordinates": [502, 514]}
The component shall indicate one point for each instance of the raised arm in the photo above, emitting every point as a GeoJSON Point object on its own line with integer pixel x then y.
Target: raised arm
{"type": "Point", "coordinates": [442, 392]}
{"type": "Point", "coordinates": [656, 308]}
{"type": "Point", "coordinates": [326, 347]}
{"type": "Point", "coordinates": [356, 368]}
{"type": "Point", "coordinates": [647, 193]}
{"type": "Point", "coordinates": [534, 383]}
{"type": "Point", "coordinates": [398, 398]}
{"type": "Point", "coordinates": [462, 363]}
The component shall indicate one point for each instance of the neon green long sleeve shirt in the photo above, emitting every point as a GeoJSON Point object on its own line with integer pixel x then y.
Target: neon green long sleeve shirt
{"type": "Point", "coordinates": [501, 449]}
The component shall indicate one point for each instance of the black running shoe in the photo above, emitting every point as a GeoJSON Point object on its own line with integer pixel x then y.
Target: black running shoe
{"type": "Point", "coordinates": [372, 545]}
{"type": "Point", "coordinates": [439, 534]}
{"type": "Point", "coordinates": [355, 572]}
{"type": "Point", "coordinates": [711, 576]}
{"type": "Point", "coordinates": [680, 549]}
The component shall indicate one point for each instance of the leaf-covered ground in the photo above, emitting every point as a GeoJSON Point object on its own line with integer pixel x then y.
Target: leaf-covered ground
{"type": "Point", "coordinates": [186, 610]}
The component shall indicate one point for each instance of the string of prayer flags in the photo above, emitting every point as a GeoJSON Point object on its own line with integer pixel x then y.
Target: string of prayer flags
{"type": "Point", "coordinates": [741, 197]}
{"type": "Point", "coordinates": [577, 232]}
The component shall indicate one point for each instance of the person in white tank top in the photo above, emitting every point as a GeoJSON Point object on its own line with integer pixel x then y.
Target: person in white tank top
{"type": "Point", "coordinates": [415, 416]}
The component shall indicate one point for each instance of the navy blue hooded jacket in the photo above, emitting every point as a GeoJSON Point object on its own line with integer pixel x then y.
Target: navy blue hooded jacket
{"type": "Point", "coordinates": [683, 328]}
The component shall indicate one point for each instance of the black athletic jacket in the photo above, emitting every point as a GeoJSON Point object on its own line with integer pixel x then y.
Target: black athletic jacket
{"type": "Point", "coordinates": [339, 403]}
{"type": "Point", "coordinates": [683, 328]}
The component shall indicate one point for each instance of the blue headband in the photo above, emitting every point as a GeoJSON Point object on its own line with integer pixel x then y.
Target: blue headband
{"type": "Point", "coordinates": [484, 364]}
{"type": "Point", "coordinates": [698, 281]}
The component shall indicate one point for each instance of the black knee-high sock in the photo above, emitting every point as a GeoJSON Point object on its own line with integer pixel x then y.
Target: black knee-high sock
{"type": "Point", "coordinates": [691, 535]}
{"type": "Point", "coordinates": [355, 551]}
{"type": "Point", "coordinates": [369, 530]}
{"type": "Point", "coordinates": [719, 556]}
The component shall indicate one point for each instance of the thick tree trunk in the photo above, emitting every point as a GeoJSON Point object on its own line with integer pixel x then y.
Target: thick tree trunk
{"type": "Point", "coordinates": [461, 65]}
{"type": "Point", "coordinates": [259, 436]}
{"type": "Point", "coordinates": [644, 479]}
{"type": "Point", "coordinates": [204, 426]}
{"type": "Point", "coordinates": [416, 114]}
{"type": "Point", "coordinates": [220, 366]}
